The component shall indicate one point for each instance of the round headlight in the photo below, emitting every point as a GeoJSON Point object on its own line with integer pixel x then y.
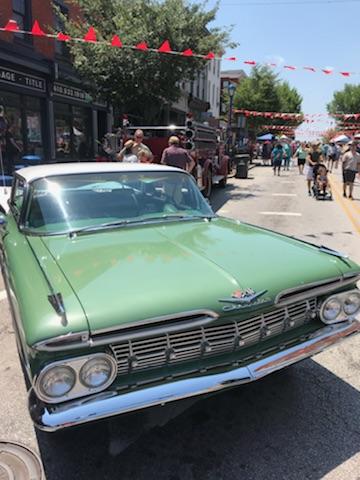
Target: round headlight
{"type": "Point", "coordinates": [331, 310]}
{"type": "Point", "coordinates": [57, 381]}
{"type": "Point", "coordinates": [96, 372]}
{"type": "Point", "coordinates": [352, 303]}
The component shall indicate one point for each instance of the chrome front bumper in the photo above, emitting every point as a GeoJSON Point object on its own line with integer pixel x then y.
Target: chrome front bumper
{"type": "Point", "coordinates": [110, 403]}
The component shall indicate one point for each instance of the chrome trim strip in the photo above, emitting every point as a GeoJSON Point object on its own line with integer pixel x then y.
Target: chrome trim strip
{"type": "Point", "coordinates": [163, 318]}
{"type": "Point", "coordinates": [313, 289]}
{"type": "Point", "coordinates": [112, 403]}
{"type": "Point", "coordinates": [64, 341]}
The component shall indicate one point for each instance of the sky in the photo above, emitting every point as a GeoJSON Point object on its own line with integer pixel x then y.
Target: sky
{"type": "Point", "coordinates": [319, 33]}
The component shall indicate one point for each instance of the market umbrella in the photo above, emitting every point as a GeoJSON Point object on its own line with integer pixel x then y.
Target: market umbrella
{"type": "Point", "coordinates": [340, 139]}
{"type": "Point", "coordinates": [267, 136]}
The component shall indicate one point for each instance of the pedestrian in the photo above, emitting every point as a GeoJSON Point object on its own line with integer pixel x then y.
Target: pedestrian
{"type": "Point", "coordinates": [314, 157]}
{"type": "Point", "coordinates": [144, 156]}
{"type": "Point", "coordinates": [176, 156]}
{"type": "Point", "coordinates": [350, 167]}
{"type": "Point", "coordinates": [277, 158]}
{"type": "Point", "coordinates": [301, 154]}
{"type": "Point", "coordinates": [128, 155]}
{"type": "Point", "coordinates": [137, 146]}
{"type": "Point", "coordinates": [332, 153]}
{"type": "Point", "coordinates": [325, 151]}
{"type": "Point", "coordinates": [12, 150]}
{"type": "Point", "coordinates": [286, 155]}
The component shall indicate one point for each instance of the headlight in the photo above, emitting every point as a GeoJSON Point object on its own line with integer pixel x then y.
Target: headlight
{"type": "Point", "coordinates": [96, 372]}
{"type": "Point", "coordinates": [57, 381]}
{"type": "Point", "coordinates": [352, 303]}
{"type": "Point", "coordinates": [331, 310]}
{"type": "Point", "coordinates": [339, 307]}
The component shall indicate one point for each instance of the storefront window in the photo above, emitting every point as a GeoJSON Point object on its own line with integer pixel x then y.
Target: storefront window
{"type": "Point", "coordinates": [73, 132]}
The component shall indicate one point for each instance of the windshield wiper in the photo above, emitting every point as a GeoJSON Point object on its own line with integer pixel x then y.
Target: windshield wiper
{"type": "Point", "coordinates": [125, 223]}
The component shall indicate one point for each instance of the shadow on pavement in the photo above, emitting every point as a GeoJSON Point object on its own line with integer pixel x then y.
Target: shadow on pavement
{"type": "Point", "coordinates": [300, 423]}
{"type": "Point", "coordinates": [220, 197]}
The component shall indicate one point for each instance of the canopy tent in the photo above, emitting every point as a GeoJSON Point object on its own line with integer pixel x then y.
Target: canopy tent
{"type": "Point", "coordinates": [267, 136]}
{"type": "Point", "coordinates": [340, 139]}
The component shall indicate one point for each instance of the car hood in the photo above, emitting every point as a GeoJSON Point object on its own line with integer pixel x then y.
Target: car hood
{"type": "Point", "coordinates": [131, 274]}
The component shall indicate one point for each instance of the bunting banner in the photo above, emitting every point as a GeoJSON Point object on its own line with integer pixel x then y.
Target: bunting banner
{"type": "Point", "coordinates": [305, 117]}
{"type": "Point", "coordinates": [91, 37]}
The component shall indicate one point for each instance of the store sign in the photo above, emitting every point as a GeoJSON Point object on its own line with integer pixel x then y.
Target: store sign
{"type": "Point", "coordinates": [70, 92]}
{"type": "Point", "coordinates": [13, 77]}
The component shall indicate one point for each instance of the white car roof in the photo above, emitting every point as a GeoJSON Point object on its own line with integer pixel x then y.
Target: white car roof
{"type": "Point", "coordinates": [41, 171]}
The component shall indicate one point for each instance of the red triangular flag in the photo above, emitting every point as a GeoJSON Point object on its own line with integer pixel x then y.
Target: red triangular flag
{"type": "Point", "coordinates": [232, 59]}
{"type": "Point", "coordinates": [250, 62]}
{"type": "Point", "coordinates": [188, 53]}
{"type": "Point", "coordinates": [90, 36]}
{"type": "Point", "coordinates": [142, 46]}
{"type": "Point", "coordinates": [63, 37]}
{"type": "Point", "coordinates": [311, 69]}
{"type": "Point", "coordinates": [210, 56]}
{"type": "Point", "coordinates": [327, 72]}
{"type": "Point", "coordinates": [36, 30]}
{"type": "Point", "coordinates": [290, 67]}
{"type": "Point", "coordinates": [345, 74]}
{"type": "Point", "coordinates": [11, 26]}
{"type": "Point", "coordinates": [116, 42]}
{"type": "Point", "coordinates": [165, 47]}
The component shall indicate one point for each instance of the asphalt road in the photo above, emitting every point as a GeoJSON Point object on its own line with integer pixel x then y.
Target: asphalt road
{"type": "Point", "coordinates": [300, 423]}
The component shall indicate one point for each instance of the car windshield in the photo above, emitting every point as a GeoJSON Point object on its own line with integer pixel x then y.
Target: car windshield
{"type": "Point", "coordinates": [70, 203]}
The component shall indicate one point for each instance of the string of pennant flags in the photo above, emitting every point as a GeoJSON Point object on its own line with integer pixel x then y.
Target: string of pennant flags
{"type": "Point", "coordinates": [305, 117]}
{"type": "Point", "coordinates": [165, 48]}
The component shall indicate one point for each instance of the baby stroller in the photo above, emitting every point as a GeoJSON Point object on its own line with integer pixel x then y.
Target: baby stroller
{"type": "Point", "coordinates": [321, 186]}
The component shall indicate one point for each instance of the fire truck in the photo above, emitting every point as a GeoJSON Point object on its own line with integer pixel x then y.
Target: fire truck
{"type": "Point", "coordinates": [202, 142]}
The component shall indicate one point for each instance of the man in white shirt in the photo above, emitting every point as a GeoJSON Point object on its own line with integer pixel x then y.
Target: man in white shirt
{"type": "Point", "coordinates": [350, 167]}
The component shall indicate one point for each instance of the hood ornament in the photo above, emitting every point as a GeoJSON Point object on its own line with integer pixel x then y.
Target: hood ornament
{"type": "Point", "coordinates": [243, 298]}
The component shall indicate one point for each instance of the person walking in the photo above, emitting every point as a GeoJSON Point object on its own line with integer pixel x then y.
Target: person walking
{"type": "Point", "coordinates": [301, 154]}
{"type": "Point", "coordinates": [314, 157]}
{"type": "Point", "coordinates": [12, 150]}
{"type": "Point", "coordinates": [277, 157]}
{"type": "Point", "coordinates": [176, 156]}
{"type": "Point", "coordinates": [350, 167]}
{"type": "Point", "coordinates": [286, 155]}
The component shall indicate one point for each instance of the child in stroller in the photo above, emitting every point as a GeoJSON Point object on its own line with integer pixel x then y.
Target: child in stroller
{"type": "Point", "coordinates": [321, 186]}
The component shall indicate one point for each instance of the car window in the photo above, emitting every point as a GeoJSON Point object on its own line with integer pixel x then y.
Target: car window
{"type": "Point", "coordinates": [60, 204]}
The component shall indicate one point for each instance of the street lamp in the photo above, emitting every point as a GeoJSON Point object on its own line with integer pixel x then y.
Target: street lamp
{"type": "Point", "coordinates": [231, 90]}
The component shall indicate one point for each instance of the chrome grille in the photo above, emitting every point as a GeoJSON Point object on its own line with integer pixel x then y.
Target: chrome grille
{"type": "Point", "coordinates": [203, 342]}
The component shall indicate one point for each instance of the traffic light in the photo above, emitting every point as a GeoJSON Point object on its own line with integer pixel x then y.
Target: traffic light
{"type": "Point", "coordinates": [189, 133]}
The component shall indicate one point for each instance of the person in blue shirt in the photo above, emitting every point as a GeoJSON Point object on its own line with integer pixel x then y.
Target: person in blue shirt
{"type": "Point", "coordinates": [287, 155]}
{"type": "Point", "coordinates": [277, 157]}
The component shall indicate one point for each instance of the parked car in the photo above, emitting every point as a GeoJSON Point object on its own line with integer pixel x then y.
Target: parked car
{"type": "Point", "coordinates": [127, 292]}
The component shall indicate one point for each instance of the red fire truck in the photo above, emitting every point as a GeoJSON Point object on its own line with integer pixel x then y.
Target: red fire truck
{"type": "Point", "coordinates": [203, 143]}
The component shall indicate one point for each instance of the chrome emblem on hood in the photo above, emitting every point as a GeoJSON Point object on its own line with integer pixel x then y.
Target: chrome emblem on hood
{"type": "Point", "coordinates": [242, 299]}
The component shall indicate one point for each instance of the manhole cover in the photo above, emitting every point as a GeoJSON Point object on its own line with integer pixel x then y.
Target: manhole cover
{"type": "Point", "coordinates": [19, 463]}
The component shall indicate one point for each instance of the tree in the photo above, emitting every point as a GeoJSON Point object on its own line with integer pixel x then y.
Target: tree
{"type": "Point", "coordinates": [346, 100]}
{"type": "Point", "coordinates": [262, 91]}
{"type": "Point", "coordinates": [140, 82]}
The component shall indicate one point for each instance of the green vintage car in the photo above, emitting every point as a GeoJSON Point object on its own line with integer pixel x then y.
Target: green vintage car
{"type": "Point", "coordinates": [127, 292]}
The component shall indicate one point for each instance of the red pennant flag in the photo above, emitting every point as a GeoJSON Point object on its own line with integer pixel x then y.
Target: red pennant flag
{"type": "Point", "coordinates": [188, 53]}
{"type": "Point", "coordinates": [311, 69]}
{"type": "Point", "coordinates": [232, 59]}
{"type": "Point", "coordinates": [327, 72]}
{"type": "Point", "coordinates": [250, 62]}
{"type": "Point", "coordinates": [210, 56]}
{"type": "Point", "coordinates": [36, 30]}
{"type": "Point", "coordinates": [290, 67]}
{"type": "Point", "coordinates": [345, 74]}
{"type": "Point", "coordinates": [165, 47]}
{"type": "Point", "coordinates": [116, 42]}
{"type": "Point", "coordinates": [63, 37]}
{"type": "Point", "coordinates": [142, 46]}
{"type": "Point", "coordinates": [11, 26]}
{"type": "Point", "coordinates": [90, 36]}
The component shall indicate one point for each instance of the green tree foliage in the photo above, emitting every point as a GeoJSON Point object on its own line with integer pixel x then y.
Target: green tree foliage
{"type": "Point", "coordinates": [262, 91]}
{"type": "Point", "coordinates": [133, 80]}
{"type": "Point", "coordinates": [346, 100]}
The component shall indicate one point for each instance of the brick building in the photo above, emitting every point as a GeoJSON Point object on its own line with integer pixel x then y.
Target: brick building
{"type": "Point", "coordinates": [51, 113]}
